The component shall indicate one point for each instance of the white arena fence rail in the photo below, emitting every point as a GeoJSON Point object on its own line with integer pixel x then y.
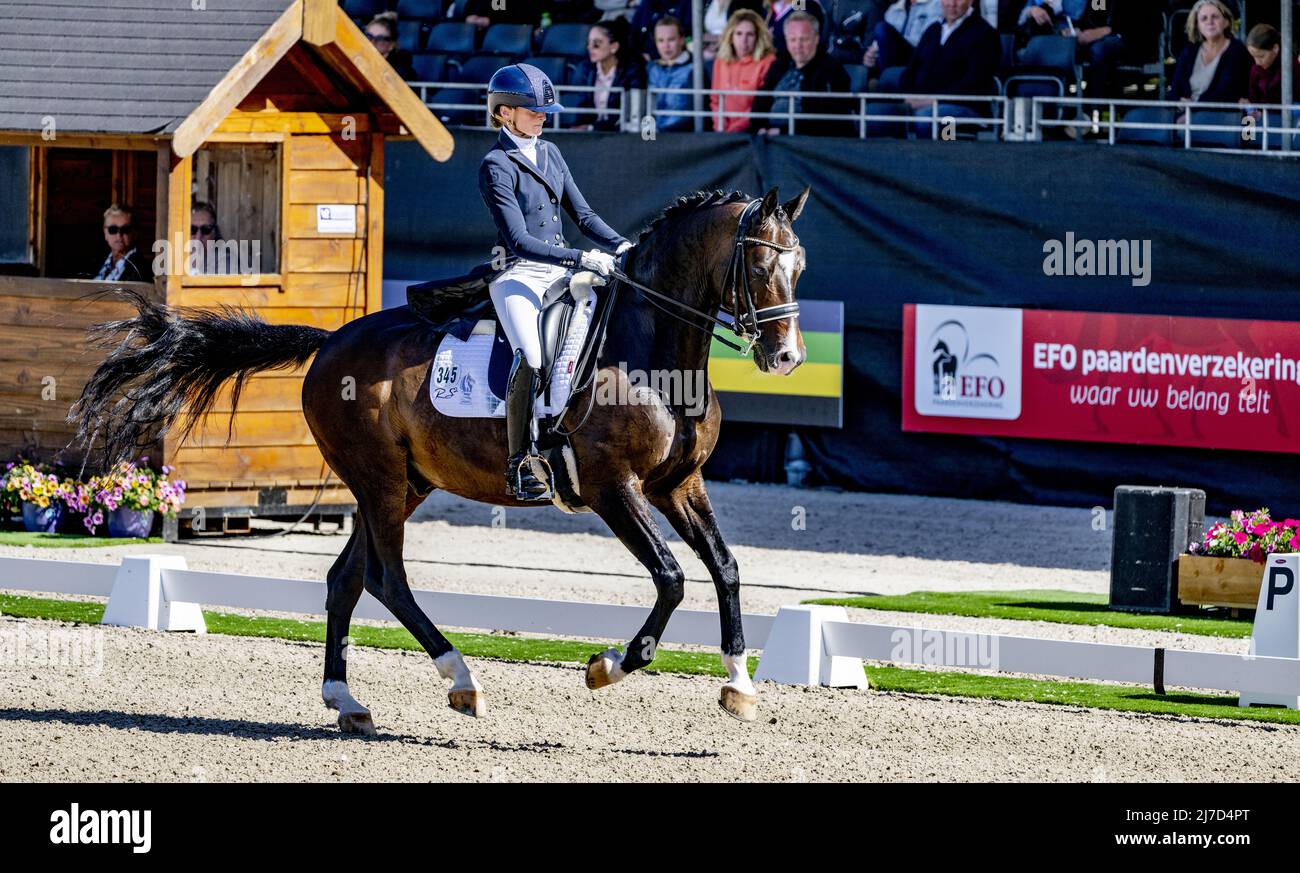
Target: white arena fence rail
{"type": "Point", "coordinates": [803, 645]}
{"type": "Point", "coordinates": [1009, 118]}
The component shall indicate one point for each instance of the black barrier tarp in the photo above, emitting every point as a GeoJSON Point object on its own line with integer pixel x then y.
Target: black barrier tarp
{"type": "Point", "coordinates": [962, 223]}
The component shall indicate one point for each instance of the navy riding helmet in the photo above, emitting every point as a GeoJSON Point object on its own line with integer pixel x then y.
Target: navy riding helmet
{"type": "Point", "coordinates": [522, 85]}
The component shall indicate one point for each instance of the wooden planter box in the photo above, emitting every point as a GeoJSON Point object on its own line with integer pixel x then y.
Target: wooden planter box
{"type": "Point", "coordinates": [1228, 582]}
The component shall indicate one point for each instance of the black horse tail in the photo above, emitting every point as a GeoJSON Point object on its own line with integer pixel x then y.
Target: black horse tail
{"type": "Point", "coordinates": [163, 363]}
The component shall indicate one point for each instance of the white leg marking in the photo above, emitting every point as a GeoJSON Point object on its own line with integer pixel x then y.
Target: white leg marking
{"type": "Point", "coordinates": [336, 696]}
{"type": "Point", "coordinates": [738, 673]}
{"type": "Point", "coordinates": [613, 659]}
{"type": "Point", "coordinates": [452, 666]}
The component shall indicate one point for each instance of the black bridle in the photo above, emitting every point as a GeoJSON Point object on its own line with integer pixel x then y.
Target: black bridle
{"type": "Point", "coordinates": [745, 318]}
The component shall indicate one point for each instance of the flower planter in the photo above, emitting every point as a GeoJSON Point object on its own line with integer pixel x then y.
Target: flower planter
{"type": "Point", "coordinates": [130, 522]}
{"type": "Point", "coordinates": [1228, 582]}
{"type": "Point", "coordinates": [37, 520]}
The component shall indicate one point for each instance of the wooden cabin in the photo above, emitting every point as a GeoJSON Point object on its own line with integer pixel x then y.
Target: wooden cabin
{"type": "Point", "coordinates": [275, 112]}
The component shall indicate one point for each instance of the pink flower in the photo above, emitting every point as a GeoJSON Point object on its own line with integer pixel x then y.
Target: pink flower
{"type": "Point", "coordinates": [1240, 537]}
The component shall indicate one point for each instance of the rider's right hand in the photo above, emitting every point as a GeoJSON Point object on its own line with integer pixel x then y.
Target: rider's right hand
{"type": "Point", "coordinates": [598, 262]}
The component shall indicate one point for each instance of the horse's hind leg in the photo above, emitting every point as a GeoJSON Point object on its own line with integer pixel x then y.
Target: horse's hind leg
{"type": "Point", "coordinates": [345, 580]}
{"type": "Point", "coordinates": [385, 578]}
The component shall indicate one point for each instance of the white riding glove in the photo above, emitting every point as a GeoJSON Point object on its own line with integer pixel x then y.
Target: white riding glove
{"type": "Point", "coordinates": [598, 262]}
{"type": "Point", "coordinates": [622, 247]}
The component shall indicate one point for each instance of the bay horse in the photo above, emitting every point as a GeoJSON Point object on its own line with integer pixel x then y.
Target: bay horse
{"type": "Point", "coordinates": [705, 253]}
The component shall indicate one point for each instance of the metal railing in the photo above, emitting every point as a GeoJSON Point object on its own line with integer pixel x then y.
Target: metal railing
{"type": "Point", "coordinates": [862, 101]}
{"type": "Point", "coordinates": [1273, 128]}
{"type": "Point", "coordinates": [1268, 127]}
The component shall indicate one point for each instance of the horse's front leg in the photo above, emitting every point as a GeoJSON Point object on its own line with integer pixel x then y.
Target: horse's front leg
{"type": "Point", "coordinates": [629, 515]}
{"type": "Point", "coordinates": [688, 509]}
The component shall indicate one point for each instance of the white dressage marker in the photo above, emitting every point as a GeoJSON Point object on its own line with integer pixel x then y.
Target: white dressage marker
{"type": "Point", "coordinates": [1276, 632]}
{"type": "Point", "coordinates": [139, 599]}
{"type": "Point", "coordinates": [795, 652]}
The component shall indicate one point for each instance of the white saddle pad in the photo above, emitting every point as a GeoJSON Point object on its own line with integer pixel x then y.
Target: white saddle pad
{"type": "Point", "coordinates": [458, 383]}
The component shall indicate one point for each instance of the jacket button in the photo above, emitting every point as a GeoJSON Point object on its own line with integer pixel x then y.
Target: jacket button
{"type": "Point", "coordinates": [555, 218]}
{"type": "Point", "coordinates": [552, 199]}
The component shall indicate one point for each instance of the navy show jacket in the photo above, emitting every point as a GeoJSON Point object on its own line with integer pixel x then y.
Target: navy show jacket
{"type": "Point", "coordinates": [525, 201]}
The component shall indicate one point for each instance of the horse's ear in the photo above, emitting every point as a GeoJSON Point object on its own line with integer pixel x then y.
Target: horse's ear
{"type": "Point", "coordinates": [795, 205]}
{"type": "Point", "coordinates": [771, 201]}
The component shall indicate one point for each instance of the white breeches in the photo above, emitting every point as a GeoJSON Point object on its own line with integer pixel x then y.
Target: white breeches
{"type": "Point", "coordinates": [517, 295]}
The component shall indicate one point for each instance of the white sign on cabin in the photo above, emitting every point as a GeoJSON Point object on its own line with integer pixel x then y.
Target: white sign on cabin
{"type": "Point", "coordinates": [336, 218]}
{"type": "Point", "coordinates": [1276, 632]}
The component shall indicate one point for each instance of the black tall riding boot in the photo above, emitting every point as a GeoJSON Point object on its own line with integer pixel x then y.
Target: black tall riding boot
{"type": "Point", "coordinates": [521, 388]}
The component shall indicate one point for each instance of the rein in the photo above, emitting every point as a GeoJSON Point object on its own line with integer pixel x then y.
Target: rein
{"type": "Point", "coordinates": [744, 325]}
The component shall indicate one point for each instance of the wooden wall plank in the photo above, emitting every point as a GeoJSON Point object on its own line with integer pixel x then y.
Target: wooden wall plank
{"type": "Point", "coordinates": [325, 256]}
{"type": "Point", "coordinates": [326, 186]}
{"type": "Point", "coordinates": [198, 465]}
{"type": "Point", "coordinates": [329, 152]}
{"type": "Point", "coordinates": [252, 429]}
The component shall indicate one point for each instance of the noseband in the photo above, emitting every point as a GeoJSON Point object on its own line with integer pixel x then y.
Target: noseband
{"type": "Point", "coordinates": [745, 319]}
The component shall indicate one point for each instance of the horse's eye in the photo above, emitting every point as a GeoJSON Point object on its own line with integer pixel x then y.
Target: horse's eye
{"type": "Point", "coordinates": [760, 272]}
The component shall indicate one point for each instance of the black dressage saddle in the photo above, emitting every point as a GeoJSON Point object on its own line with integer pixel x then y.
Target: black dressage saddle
{"type": "Point", "coordinates": [454, 306]}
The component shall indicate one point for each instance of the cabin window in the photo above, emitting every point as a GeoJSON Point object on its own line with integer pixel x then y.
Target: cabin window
{"type": "Point", "coordinates": [15, 181]}
{"type": "Point", "coordinates": [235, 214]}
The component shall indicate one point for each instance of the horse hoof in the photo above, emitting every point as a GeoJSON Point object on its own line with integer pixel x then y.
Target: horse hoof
{"type": "Point", "coordinates": [599, 673]}
{"type": "Point", "coordinates": [357, 723]}
{"type": "Point", "coordinates": [468, 702]}
{"type": "Point", "coordinates": [738, 704]}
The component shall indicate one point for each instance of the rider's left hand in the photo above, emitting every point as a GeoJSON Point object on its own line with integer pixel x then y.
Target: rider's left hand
{"type": "Point", "coordinates": [622, 247]}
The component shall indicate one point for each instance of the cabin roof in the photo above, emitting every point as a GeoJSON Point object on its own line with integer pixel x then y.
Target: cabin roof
{"type": "Point", "coordinates": [125, 66]}
{"type": "Point", "coordinates": [164, 68]}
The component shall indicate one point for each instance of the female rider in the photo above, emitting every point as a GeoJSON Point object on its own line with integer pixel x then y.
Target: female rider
{"type": "Point", "coordinates": [524, 182]}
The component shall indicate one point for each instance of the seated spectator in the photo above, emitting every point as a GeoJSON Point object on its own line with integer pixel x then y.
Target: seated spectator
{"type": "Point", "coordinates": [1099, 45]}
{"type": "Point", "coordinates": [382, 33]}
{"type": "Point", "coordinates": [643, 23]}
{"type": "Point", "coordinates": [895, 38]}
{"type": "Point", "coordinates": [1215, 66]}
{"type": "Point", "coordinates": [215, 256]}
{"type": "Point", "coordinates": [779, 11]}
{"type": "Point", "coordinates": [744, 59]}
{"type": "Point", "coordinates": [808, 70]}
{"type": "Point", "coordinates": [717, 15]}
{"type": "Point", "coordinates": [484, 13]}
{"type": "Point", "coordinates": [672, 69]}
{"type": "Point", "coordinates": [957, 55]}
{"type": "Point", "coordinates": [125, 263]}
{"type": "Point", "coordinates": [610, 68]}
{"type": "Point", "coordinates": [1265, 45]}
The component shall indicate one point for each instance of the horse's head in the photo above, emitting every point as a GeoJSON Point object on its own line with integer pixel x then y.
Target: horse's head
{"type": "Point", "coordinates": [771, 261]}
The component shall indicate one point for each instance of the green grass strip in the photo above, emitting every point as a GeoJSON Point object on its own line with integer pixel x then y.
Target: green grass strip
{"type": "Point", "coordinates": [68, 541]}
{"type": "Point", "coordinates": [1125, 698]}
{"type": "Point", "coordinates": [1062, 607]}
{"type": "Point", "coordinates": [508, 648]}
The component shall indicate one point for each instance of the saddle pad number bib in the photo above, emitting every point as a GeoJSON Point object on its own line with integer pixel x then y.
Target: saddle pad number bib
{"type": "Point", "coordinates": [458, 379]}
